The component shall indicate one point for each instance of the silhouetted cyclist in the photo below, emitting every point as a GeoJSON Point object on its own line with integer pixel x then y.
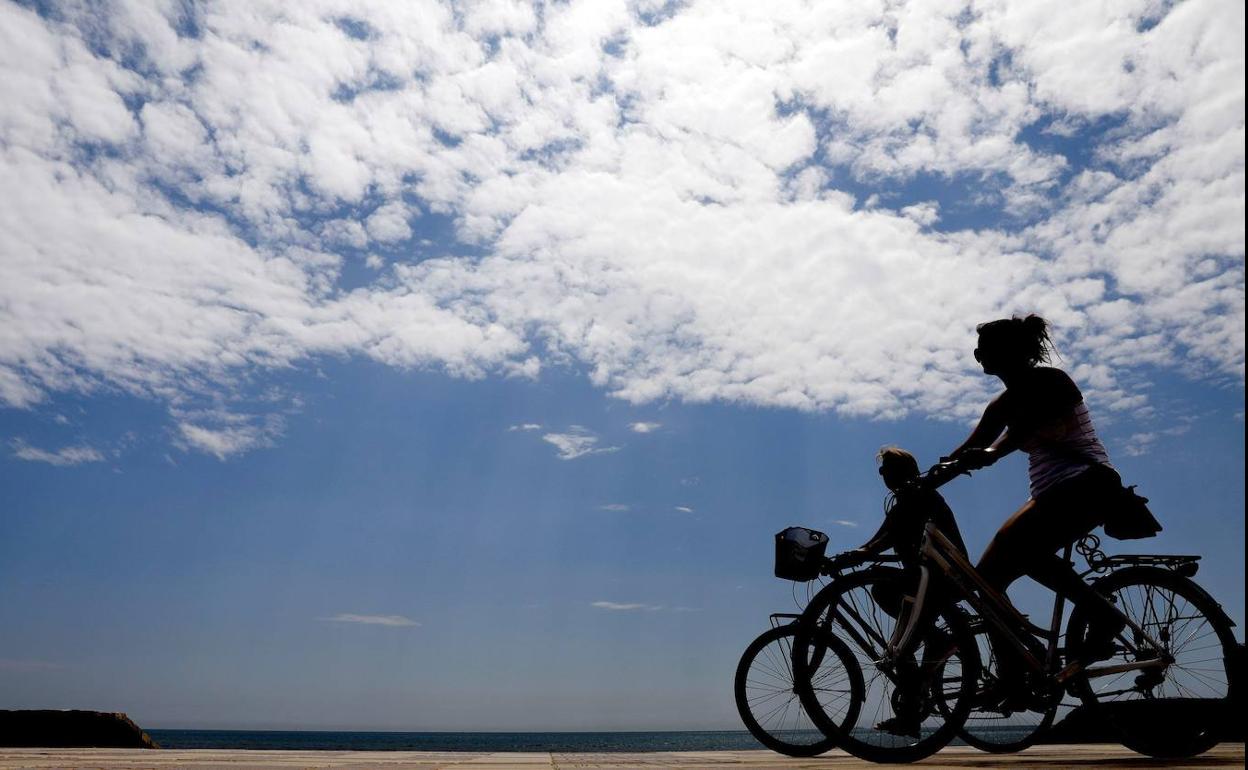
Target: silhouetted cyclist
{"type": "Point", "coordinates": [1073, 484]}
{"type": "Point", "coordinates": [909, 509]}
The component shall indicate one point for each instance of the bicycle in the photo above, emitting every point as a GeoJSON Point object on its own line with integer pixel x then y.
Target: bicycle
{"type": "Point", "coordinates": [781, 723]}
{"type": "Point", "coordinates": [1177, 645]}
{"type": "Point", "coordinates": [764, 687]}
{"type": "Point", "coordinates": [766, 695]}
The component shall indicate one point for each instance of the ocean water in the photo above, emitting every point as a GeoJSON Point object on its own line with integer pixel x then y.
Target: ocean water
{"type": "Point", "coordinates": [726, 740]}
{"type": "Point", "coordinates": [715, 740]}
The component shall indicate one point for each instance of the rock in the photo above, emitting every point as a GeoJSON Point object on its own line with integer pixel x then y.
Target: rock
{"type": "Point", "coordinates": [71, 728]}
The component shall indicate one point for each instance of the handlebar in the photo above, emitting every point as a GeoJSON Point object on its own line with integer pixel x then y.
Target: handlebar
{"type": "Point", "coordinates": [849, 559]}
{"type": "Point", "coordinates": [939, 474]}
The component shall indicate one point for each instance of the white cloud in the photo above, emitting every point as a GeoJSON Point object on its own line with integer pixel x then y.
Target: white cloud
{"type": "Point", "coordinates": [1143, 442]}
{"type": "Point", "coordinates": [393, 621]}
{"type": "Point", "coordinates": [577, 442]}
{"type": "Point", "coordinates": [225, 434]}
{"type": "Point", "coordinates": [221, 442]}
{"type": "Point", "coordinates": [644, 427]}
{"type": "Point", "coordinates": [615, 507]}
{"type": "Point", "coordinates": [844, 523]}
{"type": "Point", "coordinates": [1138, 444]}
{"type": "Point", "coordinates": [673, 210]}
{"type": "Point", "coordinates": [926, 213]}
{"type": "Point", "coordinates": [528, 426]}
{"type": "Point", "coordinates": [684, 509]}
{"type": "Point", "coordinates": [70, 455]}
{"type": "Point", "coordinates": [626, 606]}
{"type": "Point", "coordinates": [388, 223]}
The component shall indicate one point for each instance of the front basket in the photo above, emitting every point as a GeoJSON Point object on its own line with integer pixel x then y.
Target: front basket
{"type": "Point", "coordinates": [799, 553]}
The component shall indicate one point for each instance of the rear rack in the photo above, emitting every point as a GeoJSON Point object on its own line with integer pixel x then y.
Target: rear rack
{"type": "Point", "coordinates": [776, 617]}
{"type": "Point", "coordinates": [1168, 560]}
{"type": "Point", "coordinates": [1089, 547]}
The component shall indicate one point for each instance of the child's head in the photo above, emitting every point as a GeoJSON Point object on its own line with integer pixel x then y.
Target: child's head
{"type": "Point", "coordinates": [897, 466]}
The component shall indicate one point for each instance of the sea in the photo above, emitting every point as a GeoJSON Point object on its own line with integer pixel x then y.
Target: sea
{"type": "Point", "coordinates": [725, 740]}
{"type": "Point", "coordinates": [702, 740]}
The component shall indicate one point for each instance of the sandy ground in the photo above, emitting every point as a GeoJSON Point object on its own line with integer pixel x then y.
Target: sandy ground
{"type": "Point", "coordinates": [1050, 757]}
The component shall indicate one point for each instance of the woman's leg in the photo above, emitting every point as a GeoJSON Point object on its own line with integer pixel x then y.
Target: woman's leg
{"type": "Point", "coordinates": [1000, 565]}
{"type": "Point", "coordinates": [1026, 545]}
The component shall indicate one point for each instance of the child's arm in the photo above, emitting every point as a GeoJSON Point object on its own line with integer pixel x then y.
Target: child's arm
{"type": "Point", "coordinates": [878, 543]}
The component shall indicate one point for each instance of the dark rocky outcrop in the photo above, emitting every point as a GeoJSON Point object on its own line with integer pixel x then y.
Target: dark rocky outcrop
{"type": "Point", "coordinates": [62, 729]}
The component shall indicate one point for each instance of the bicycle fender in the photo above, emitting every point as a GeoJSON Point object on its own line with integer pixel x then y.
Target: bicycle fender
{"type": "Point", "coordinates": [1142, 570]}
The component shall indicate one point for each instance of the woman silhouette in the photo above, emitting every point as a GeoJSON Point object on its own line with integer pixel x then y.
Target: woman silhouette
{"type": "Point", "coordinates": [1073, 484]}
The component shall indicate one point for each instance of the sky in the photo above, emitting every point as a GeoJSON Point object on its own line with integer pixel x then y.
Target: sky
{"type": "Point", "coordinates": [435, 367]}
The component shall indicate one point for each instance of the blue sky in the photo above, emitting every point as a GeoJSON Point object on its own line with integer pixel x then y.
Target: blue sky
{"type": "Point", "coordinates": [194, 592]}
{"type": "Point", "coordinates": [426, 368]}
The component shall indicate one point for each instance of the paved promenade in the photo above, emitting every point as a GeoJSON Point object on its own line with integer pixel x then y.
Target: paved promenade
{"type": "Point", "coordinates": [1099, 756]}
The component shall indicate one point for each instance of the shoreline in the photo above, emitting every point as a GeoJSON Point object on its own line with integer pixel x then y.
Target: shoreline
{"type": "Point", "coordinates": [1058, 755]}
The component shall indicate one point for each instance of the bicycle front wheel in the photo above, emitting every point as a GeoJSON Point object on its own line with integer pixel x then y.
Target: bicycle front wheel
{"type": "Point", "coordinates": [1182, 707]}
{"type": "Point", "coordinates": [767, 699]}
{"type": "Point", "coordinates": [933, 688]}
{"type": "Point", "coordinates": [991, 728]}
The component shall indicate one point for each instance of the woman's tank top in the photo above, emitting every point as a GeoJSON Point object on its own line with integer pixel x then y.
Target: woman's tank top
{"type": "Point", "coordinates": [1061, 442]}
{"type": "Point", "coordinates": [1063, 450]}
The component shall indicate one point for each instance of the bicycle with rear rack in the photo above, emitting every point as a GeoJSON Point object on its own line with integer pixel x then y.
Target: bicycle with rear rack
{"type": "Point", "coordinates": [1165, 683]}
{"type": "Point", "coordinates": [766, 694]}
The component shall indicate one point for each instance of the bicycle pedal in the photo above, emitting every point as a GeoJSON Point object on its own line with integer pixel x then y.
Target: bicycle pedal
{"type": "Point", "coordinates": [1150, 679]}
{"type": "Point", "coordinates": [1065, 674]}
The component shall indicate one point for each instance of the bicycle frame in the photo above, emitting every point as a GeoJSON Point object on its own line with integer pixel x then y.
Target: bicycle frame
{"type": "Point", "coordinates": [937, 551]}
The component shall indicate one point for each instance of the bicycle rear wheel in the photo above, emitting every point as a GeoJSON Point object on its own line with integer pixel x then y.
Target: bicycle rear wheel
{"type": "Point", "coordinates": [767, 700]}
{"type": "Point", "coordinates": [943, 675]}
{"type": "Point", "coordinates": [1176, 710]}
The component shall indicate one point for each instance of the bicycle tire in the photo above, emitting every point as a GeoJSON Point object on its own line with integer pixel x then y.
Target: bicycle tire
{"type": "Point", "coordinates": [769, 707]}
{"type": "Point", "coordinates": [1182, 710]}
{"type": "Point", "coordinates": [854, 594]}
{"type": "Point", "coordinates": [997, 731]}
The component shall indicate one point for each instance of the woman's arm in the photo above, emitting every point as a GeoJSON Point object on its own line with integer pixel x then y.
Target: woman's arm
{"type": "Point", "coordinates": [991, 428]}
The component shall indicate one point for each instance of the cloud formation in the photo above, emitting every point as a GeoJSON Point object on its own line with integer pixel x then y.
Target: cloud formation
{"type": "Point", "coordinates": [224, 434]}
{"type": "Point", "coordinates": [626, 606]}
{"type": "Point", "coordinates": [70, 455]}
{"type": "Point", "coordinates": [789, 205]}
{"type": "Point", "coordinates": [392, 621]}
{"type": "Point", "coordinates": [576, 442]}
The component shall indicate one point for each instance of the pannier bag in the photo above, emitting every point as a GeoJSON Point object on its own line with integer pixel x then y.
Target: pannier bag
{"type": "Point", "coordinates": [1129, 518]}
{"type": "Point", "coordinates": [799, 553]}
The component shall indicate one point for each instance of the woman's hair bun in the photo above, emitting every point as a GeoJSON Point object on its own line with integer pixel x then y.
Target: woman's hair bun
{"type": "Point", "coordinates": [1026, 337]}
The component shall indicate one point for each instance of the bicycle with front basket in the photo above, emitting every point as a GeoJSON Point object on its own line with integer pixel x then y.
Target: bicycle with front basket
{"type": "Point", "coordinates": [766, 693]}
{"type": "Point", "coordinates": [1166, 684]}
